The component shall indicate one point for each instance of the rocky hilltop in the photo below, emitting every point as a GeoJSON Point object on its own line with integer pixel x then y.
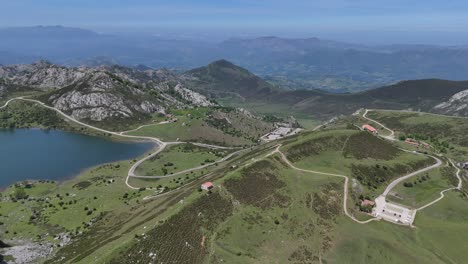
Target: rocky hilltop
{"type": "Point", "coordinates": [457, 105]}
{"type": "Point", "coordinates": [102, 93]}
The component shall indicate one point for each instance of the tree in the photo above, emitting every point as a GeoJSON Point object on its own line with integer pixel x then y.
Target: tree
{"type": "Point", "coordinates": [20, 193]}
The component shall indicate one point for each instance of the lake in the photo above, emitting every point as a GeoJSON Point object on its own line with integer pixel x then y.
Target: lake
{"type": "Point", "coordinates": [27, 154]}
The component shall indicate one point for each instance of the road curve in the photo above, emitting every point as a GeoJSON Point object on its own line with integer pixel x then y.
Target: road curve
{"type": "Point", "coordinates": [180, 172]}
{"type": "Point", "coordinates": [459, 186]}
{"type": "Point", "coordinates": [345, 189]}
{"type": "Point", "coordinates": [392, 133]}
{"type": "Point", "coordinates": [400, 179]}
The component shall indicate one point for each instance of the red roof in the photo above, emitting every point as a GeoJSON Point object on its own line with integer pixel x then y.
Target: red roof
{"type": "Point", "coordinates": [207, 185]}
{"type": "Point", "coordinates": [369, 128]}
{"type": "Point", "coordinates": [367, 202]}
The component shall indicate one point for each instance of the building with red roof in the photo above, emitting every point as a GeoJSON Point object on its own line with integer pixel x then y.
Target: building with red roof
{"type": "Point", "coordinates": [369, 128]}
{"type": "Point", "coordinates": [367, 203]}
{"type": "Point", "coordinates": [207, 186]}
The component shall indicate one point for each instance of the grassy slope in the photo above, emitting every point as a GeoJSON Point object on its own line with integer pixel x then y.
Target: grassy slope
{"type": "Point", "coordinates": [68, 217]}
{"type": "Point", "coordinates": [278, 222]}
{"type": "Point", "coordinates": [441, 128]}
{"type": "Point", "coordinates": [178, 158]}
{"type": "Point", "coordinates": [192, 125]}
{"type": "Point", "coordinates": [439, 237]}
{"type": "Point", "coordinates": [350, 152]}
{"type": "Point", "coordinates": [425, 191]}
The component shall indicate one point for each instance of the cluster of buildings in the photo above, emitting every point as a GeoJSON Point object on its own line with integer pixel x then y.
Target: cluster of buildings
{"type": "Point", "coordinates": [416, 143]}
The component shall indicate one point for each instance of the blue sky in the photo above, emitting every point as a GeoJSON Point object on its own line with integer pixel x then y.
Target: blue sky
{"type": "Point", "coordinates": [362, 19]}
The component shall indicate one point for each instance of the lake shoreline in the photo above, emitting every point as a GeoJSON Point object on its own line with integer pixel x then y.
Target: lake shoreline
{"type": "Point", "coordinates": [120, 150]}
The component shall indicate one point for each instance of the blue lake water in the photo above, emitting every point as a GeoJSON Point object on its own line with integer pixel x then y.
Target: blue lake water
{"type": "Point", "coordinates": [56, 155]}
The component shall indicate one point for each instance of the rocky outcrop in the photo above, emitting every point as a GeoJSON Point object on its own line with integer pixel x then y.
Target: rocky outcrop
{"type": "Point", "coordinates": [104, 92]}
{"type": "Point", "coordinates": [42, 75]}
{"type": "Point", "coordinates": [457, 105]}
{"type": "Point", "coordinates": [191, 96]}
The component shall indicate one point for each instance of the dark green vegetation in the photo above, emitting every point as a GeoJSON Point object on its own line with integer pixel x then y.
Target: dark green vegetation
{"type": "Point", "coordinates": [182, 237]}
{"type": "Point", "coordinates": [375, 176]}
{"type": "Point", "coordinates": [366, 146]}
{"type": "Point", "coordinates": [445, 134]}
{"type": "Point", "coordinates": [247, 190]}
{"type": "Point", "coordinates": [27, 115]}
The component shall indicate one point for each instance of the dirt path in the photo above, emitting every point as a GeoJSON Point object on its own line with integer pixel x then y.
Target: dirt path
{"type": "Point", "coordinates": [345, 188]}
{"type": "Point", "coordinates": [459, 186]}
{"type": "Point", "coordinates": [392, 133]}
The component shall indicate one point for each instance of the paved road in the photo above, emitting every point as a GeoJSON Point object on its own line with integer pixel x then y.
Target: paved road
{"type": "Point", "coordinates": [403, 178]}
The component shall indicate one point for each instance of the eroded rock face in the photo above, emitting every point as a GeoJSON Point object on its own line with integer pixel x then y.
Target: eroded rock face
{"type": "Point", "coordinates": [104, 92]}
{"type": "Point", "coordinates": [457, 105]}
{"type": "Point", "coordinates": [42, 75]}
{"type": "Point", "coordinates": [192, 97]}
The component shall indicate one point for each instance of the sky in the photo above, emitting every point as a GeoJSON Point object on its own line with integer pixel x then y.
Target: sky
{"type": "Point", "coordinates": [399, 21]}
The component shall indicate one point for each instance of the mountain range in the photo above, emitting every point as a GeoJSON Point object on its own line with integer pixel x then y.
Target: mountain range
{"type": "Point", "coordinates": [310, 63]}
{"type": "Point", "coordinates": [116, 92]}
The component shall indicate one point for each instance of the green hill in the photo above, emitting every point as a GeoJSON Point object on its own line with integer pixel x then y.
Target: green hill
{"type": "Point", "coordinates": [236, 86]}
{"type": "Point", "coordinates": [224, 79]}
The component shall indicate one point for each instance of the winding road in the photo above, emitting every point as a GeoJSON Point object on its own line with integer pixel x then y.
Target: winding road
{"type": "Point", "coordinates": [438, 163]}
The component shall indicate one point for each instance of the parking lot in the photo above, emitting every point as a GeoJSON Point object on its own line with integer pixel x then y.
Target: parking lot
{"type": "Point", "coordinates": [393, 212]}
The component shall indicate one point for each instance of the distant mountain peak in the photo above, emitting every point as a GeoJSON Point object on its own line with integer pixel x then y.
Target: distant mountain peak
{"type": "Point", "coordinates": [223, 63]}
